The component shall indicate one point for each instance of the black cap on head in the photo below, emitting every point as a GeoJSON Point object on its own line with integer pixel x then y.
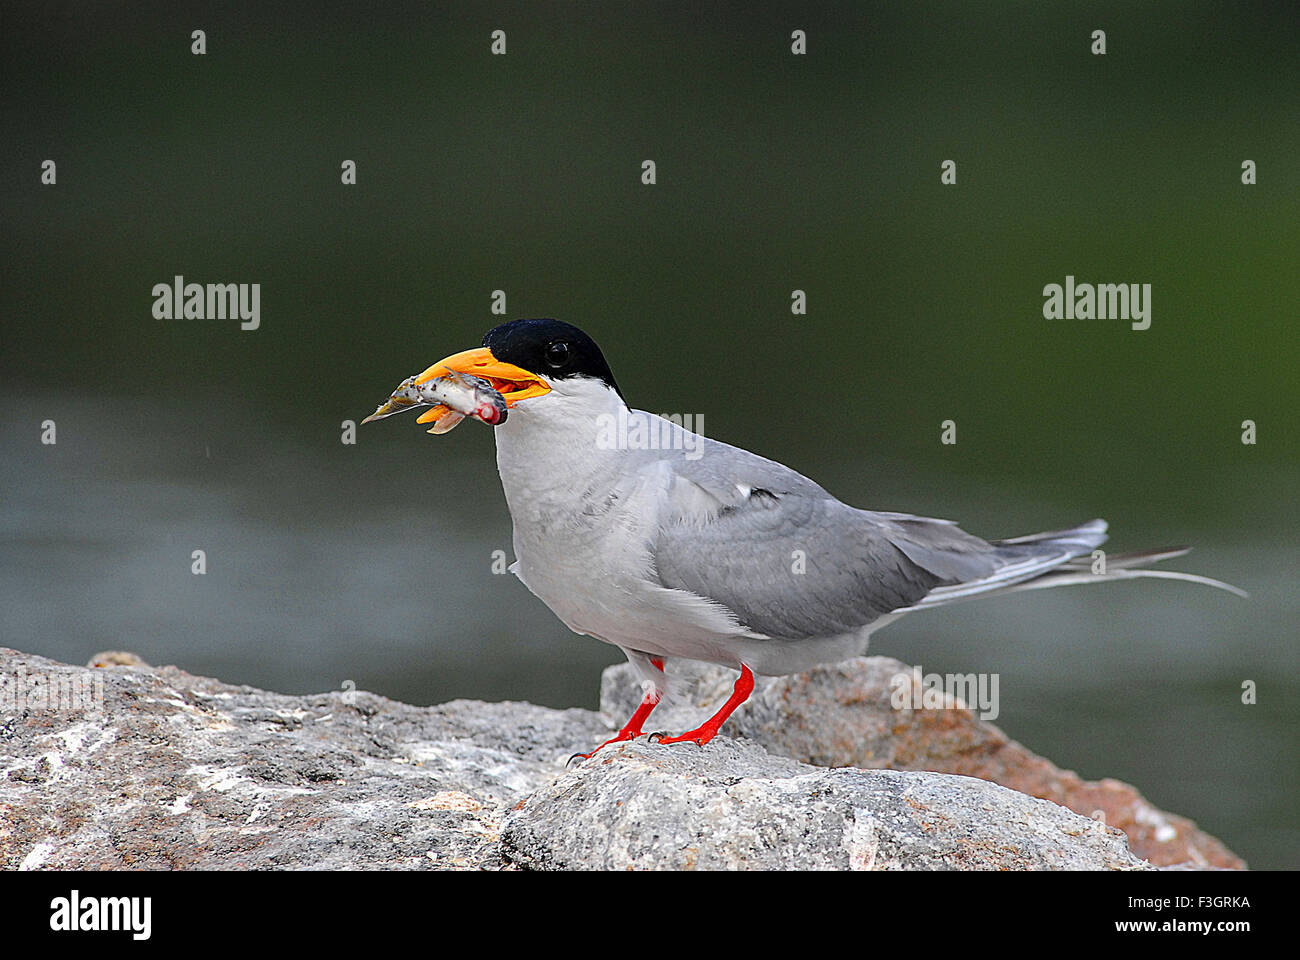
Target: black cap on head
{"type": "Point", "coordinates": [552, 348]}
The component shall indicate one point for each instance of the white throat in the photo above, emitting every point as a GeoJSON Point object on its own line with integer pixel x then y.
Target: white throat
{"type": "Point", "coordinates": [549, 449]}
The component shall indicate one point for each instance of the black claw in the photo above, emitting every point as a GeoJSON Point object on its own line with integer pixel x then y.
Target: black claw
{"type": "Point", "coordinates": [584, 756]}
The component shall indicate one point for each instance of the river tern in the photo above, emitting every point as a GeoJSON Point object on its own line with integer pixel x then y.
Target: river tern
{"type": "Point", "coordinates": [667, 544]}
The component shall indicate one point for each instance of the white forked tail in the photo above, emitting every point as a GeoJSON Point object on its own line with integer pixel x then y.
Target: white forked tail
{"type": "Point", "coordinates": [1063, 558]}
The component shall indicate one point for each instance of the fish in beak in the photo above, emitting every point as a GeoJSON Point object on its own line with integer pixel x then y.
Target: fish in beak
{"type": "Point", "coordinates": [512, 382]}
{"type": "Point", "coordinates": [473, 383]}
{"type": "Point", "coordinates": [453, 397]}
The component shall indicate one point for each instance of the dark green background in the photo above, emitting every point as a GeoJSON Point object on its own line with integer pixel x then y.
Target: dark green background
{"type": "Point", "coordinates": [775, 172]}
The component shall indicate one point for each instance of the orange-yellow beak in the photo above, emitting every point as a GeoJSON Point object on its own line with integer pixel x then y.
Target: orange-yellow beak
{"type": "Point", "coordinates": [513, 383]}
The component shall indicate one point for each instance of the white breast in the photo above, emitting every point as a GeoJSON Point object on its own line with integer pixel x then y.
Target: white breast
{"type": "Point", "coordinates": [584, 521]}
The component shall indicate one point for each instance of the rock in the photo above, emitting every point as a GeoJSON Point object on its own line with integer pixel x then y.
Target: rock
{"type": "Point", "coordinates": [116, 658]}
{"type": "Point", "coordinates": [732, 806]}
{"type": "Point", "coordinates": [131, 766]}
{"type": "Point", "coordinates": [167, 770]}
{"type": "Point", "coordinates": [842, 715]}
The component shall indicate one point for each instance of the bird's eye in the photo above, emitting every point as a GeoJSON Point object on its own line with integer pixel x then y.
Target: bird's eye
{"type": "Point", "coordinates": [557, 354]}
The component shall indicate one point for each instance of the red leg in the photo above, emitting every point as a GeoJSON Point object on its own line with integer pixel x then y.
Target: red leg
{"type": "Point", "coordinates": [709, 729]}
{"type": "Point", "coordinates": [632, 729]}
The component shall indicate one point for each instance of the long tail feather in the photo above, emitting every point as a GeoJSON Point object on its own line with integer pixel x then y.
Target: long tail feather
{"type": "Point", "coordinates": [1062, 579]}
{"type": "Point", "coordinates": [1136, 558]}
{"type": "Point", "coordinates": [1062, 558]}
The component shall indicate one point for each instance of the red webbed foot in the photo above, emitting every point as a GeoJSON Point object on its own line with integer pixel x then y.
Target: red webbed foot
{"type": "Point", "coordinates": [709, 729]}
{"type": "Point", "coordinates": [632, 729]}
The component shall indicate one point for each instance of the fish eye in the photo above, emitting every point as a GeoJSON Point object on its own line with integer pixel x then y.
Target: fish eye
{"type": "Point", "coordinates": [557, 354]}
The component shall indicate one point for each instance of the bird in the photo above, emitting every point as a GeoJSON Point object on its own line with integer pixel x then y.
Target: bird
{"type": "Point", "coordinates": [670, 545]}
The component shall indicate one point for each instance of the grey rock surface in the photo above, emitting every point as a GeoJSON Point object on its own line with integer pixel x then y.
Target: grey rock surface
{"type": "Point", "coordinates": [178, 771]}
{"type": "Point", "coordinates": [845, 716]}
{"type": "Point", "coordinates": [729, 805]}
{"type": "Point", "coordinates": [160, 769]}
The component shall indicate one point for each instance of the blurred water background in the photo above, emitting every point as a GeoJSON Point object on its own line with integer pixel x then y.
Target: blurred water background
{"type": "Point", "coordinates": [372, 563]}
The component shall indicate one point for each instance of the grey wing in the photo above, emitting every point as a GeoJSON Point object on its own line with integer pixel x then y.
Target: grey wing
{"type": "Point", "coordinates": [792, 562]}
